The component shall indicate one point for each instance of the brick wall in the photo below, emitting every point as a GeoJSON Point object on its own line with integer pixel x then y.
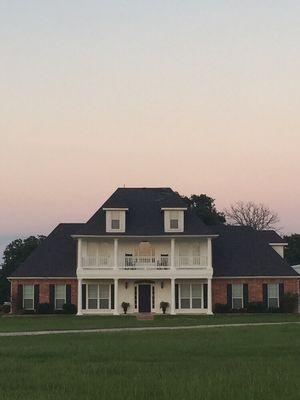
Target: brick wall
{"type": "Point", "coordinates": [44, 289]}
{"type": "Point", "coordinates": [255, 291]}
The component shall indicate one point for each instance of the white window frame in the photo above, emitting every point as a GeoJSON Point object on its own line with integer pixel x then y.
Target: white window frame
{"type": "Point", "coordinates": [190, 296]}
{"type": "Point", "coordinates": [60, 298]}
{"type": "Point", "coordinates": [269, 285]}
{"type": "Point", "coordinates": [115, 214]}
{"type": "Point", "coordinates": [98, 297]}
{"type": "Point", "coordinates": [28, 298]}
{"type": "Point", "coordinates": [169, 215]}
{"type": "Point", "coordinates": [237, 297]}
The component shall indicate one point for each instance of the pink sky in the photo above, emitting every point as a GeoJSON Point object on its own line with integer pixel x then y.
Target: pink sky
{"type": "Point", "coordinates": [202, 97]}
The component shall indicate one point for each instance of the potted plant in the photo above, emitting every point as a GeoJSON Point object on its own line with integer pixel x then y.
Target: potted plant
{"type": "Point", "coordinates": [164, 305]}
{"type": "Point", "coordinates": [125, 306]}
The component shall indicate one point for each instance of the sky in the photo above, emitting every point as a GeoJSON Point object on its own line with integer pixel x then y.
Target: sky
{"type": "Point", "coordinates": [202, 96]}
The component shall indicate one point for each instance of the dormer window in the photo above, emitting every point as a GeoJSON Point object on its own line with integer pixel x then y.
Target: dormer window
{"type": "Point", "coordinates": [115, 219]}
{"type": "Point", "coordinates": [174, 219]}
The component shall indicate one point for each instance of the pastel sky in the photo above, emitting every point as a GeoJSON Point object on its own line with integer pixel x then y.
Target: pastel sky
{"type": "Point", "coordinates": [202, 96]}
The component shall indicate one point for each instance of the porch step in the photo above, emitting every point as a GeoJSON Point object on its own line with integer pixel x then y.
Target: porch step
{"type": "Point", "coordinates": [144, 316]}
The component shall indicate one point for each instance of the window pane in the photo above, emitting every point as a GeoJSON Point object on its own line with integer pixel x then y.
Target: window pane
{"type": "Point", "coordinates": [103, 291]}
{"type": "Point", "coordinates": [237, 303]}
{"type": "Point", "coordinates": [92, 304]}
{"type": "Point", "coordinates": [104, 303]}
{"type": "Point", "coordinates": [174, 223]}
{"type": "Point", "coordinates": [115, 224]}
{"type": "Point", "coordinates": [196, 290]}
{"type": "Point", "coordinates": [196, 303]}
{"type": "Point", "coordinates": [273, 290]}
{"type": "Point", "coordinates": [184, 291]}
{"type": "Point", "coordinates": [60, 291]}
{"type": "Point", "coordinates": [28, 291]}
{"type": "Point", "coordinates": [28, 304]}
{"type": "Point", "coordinates": [93, 291]}
{"type": "Point", "coordinates": [59, 304]}
{"type": "Point", "coordinates": [237, 290]}
{"type": "Point", "coordinates": [273, 302]}
{"type": "Point", "coordinates": [185, 303]}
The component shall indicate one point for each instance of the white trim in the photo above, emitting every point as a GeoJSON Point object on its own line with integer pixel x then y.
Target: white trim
{"type": "Point", "coordinates": [41, 277]}
{"type": "Point", "coordinates": [115, 209]}
{"type": "Point", "coordinates": [278, 244]}
{"type": "Point", "coordinates": [143, 236]}
{"type": "Point", "coordinates": [173, 208]}
{"type": "Point", "coordinates": [256, 277]}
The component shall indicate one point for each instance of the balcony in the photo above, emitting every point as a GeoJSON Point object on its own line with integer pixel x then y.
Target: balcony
{"type": "Point", "coordinates": [145, 262]}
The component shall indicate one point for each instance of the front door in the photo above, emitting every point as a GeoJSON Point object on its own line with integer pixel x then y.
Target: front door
{"type": "Point", "coordinates": [144, 298]}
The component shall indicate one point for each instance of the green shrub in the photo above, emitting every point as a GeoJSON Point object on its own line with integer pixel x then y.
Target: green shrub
{"type": "Point", "coordinates": [44, 308]}
{"type": "Point", "coordinates": [222, 308]}
{"type": "Point", "coordinates": [69, 308]}
{"type": "Point", "coordinates": [289, 303]}
{"type": "Point", "coordinates": [164, 305]}
{"type": "Point", "coordinates": [256, 307]}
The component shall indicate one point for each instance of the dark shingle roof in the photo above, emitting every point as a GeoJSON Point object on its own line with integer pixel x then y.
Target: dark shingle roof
{"type": "Point", "coordinates": [144, 217]}
{"type": "Point", "coordinates": [54, 257]}
{"type": "Point", "coordinates": [240, 251]}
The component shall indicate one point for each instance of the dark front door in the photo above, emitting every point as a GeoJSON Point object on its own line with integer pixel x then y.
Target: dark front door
{"type": "Point", "coordinates": [144, 298]}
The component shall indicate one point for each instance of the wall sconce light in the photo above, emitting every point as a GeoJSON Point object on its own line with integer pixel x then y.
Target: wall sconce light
{"type": "Point", "coordinates": [162, 284]}
{"type": "Point", "coordinates": [126, 285]}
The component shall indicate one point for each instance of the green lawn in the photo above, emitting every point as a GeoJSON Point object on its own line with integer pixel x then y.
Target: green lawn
{"type": "Point", "coordinates": [246, 363]}
{"type": "Point", "coordinates": [54, 322]}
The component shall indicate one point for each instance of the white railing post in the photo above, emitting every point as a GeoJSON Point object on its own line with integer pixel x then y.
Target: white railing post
{"type": "Point", "coordinates": [79, 297]}
{"type": "Point", "coordinates": [172, 253]}
{"type": "Point", "coordinates": [115, 253]}
{"type": "Point", "coordinates": [209, 297]}
{"type": "Point", "coordinates": [116, 296]}
{"type": "Point", "coordinates": [172, 306]}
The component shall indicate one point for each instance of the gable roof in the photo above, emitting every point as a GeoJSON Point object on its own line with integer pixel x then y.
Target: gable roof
{"type": "Point", "coordinates": [241, 251]}
{"type": "Point", "coordinates": [144, 216]}
{"type": "Point", "coordinates": [54, 257]}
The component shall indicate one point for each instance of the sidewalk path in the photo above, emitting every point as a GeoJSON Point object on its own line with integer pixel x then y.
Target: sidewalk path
{"type": "Point", "coordinates": [141, 329]}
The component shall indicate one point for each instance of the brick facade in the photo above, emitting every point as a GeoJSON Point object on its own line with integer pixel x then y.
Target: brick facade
{"type": "Point", "coordinates": [255, 291]}
{"type": "Point", "coordinates": [44, 289]}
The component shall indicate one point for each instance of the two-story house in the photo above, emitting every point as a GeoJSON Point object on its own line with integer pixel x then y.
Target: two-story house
{"type": "Point", "coordinates": [144, 246]}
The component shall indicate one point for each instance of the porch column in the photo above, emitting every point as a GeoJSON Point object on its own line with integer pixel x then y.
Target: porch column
{"type": "Point", "coordinates": [172, 306]}
{"type": "Point", "coordinates": [116, 254]}
{"type": "Point", "coordinates": [116, 296]}
{"type": "Point", "coordinates": [209, 297]}
{"type": "Point", "coordinates": [209, 253]}
{"type": "Point", "coordinates": [79, 255]}
{"type": "Point", "coordinates": [172, 253]}
{"type": "Point", "coordinates": [79, 297]}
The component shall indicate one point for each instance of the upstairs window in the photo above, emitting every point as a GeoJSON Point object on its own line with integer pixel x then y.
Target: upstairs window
{"type": "Point", "coordinates": [173, 220]}
{"type": "Point", "coordinates": [115, 220]}
{"type": "Point", "coordinates": [115, 224]}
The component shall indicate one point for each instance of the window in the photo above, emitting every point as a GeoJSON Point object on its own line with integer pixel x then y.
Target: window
{"type": "Point", "coordinates": [98, 297]}
{"type": "Point", "coordinates": [173, 223]}
{"type": "Point", "coordinates": [273, 295]}
{"type": "Point", "coordinates": [28, 297]}
{"type": "Point", "coordinates": [190, 295]}
{"type": "Point", "coordinates": [60, 296]}
{"type": "Point", "coordinates": [237, 296]}
{"type": "Point", "coordinates": [115, 219]}
{"type": "Point", "coordinates": [115, 224]}
{"type": "Point", "coordinates": [173, 220]}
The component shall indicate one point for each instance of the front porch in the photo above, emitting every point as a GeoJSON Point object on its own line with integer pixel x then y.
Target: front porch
{"type": "Point", "coordinates": [105, 296]}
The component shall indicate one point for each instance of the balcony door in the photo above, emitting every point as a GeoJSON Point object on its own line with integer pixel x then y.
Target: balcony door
{"type": "Point", "coordinates": [144, 298]}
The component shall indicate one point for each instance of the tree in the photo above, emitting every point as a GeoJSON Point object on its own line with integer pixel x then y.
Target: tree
{"type": "Point", "coordinates": [205, 208]}
{"type": "Point", "coordinates": [256, 216]}
{"type": "Point", "coordinates": [14, 254]}
{"type": "Point", "coordinates": [292, 253]}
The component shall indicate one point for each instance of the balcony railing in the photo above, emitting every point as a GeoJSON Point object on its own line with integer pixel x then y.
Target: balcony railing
{"type": "Point", "coordinates": [146, 262]}
{"type": "Point", "coordinates": [190, 262]}
{"type": "Point", "coordinates": [97, 262]}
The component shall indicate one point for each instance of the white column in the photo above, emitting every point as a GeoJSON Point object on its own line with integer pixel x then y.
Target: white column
{"type": "Point", "coordinates": [209, 253]}
{"type": "Point", "coordinates": [79, 297]}
{"type": "Point", "coordinates": [116, 296]}
{"type": "Point", "coordinates": [173, 253]}
{"type": "Point", "coordinates": [79, 253]}
{"type": "Point", "coordinates": [172, 306]}
{"type": "Point", "coordinates": [209, 297]}
{"type": "Point", "coordinates": [116, 254]}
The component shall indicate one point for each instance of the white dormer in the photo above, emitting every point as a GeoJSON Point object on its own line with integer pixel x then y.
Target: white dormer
{"type": "Point", "coordinates": [115, 219]}
{"type": "Point", "coordinates": [174, 219]}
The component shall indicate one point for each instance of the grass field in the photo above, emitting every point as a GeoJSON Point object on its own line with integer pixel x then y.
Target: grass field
{"type": "Point", "coordinates": [234, 363]}
{"type": "Point", "coordinates": [54, 322]}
